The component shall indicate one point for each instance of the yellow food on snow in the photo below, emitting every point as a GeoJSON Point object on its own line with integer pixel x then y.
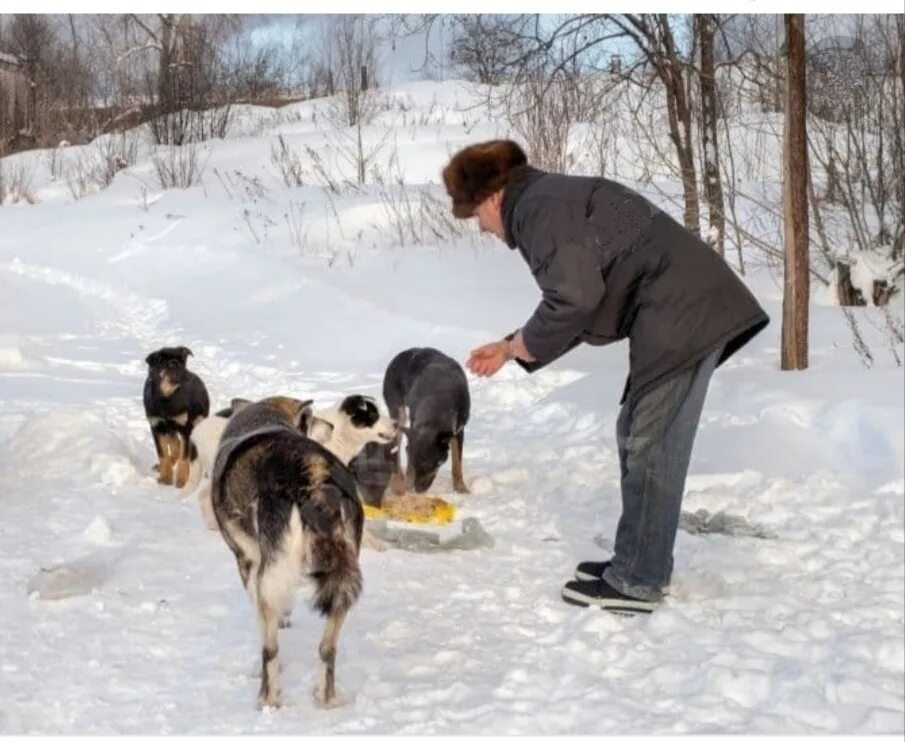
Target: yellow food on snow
{"type": "Point", "coordinates": [414, 509]}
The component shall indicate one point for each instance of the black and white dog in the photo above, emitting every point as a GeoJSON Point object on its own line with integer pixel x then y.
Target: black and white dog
{"type": "Point", "coordinates": [288, 508]}
{"type": "Point", "coordinates": [175, 401]}
{"type": "Point", "coordinates": [426, 392]}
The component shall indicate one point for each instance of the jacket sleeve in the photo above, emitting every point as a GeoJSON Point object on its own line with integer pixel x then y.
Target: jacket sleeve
{"type": "Point", "coordinates": [565, 261]}
{"type": "Point", "coordinates": [535, 365]}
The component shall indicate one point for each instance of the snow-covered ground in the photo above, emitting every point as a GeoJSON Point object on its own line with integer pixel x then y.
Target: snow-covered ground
{"type": "Point", "coordinates": [800, 632]}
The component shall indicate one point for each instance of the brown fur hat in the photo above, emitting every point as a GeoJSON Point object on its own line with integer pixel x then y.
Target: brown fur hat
{"type": "Point", "coordinates": [479, 170]}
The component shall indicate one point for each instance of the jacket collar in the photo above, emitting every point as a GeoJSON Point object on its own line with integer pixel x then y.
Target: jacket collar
{"type": "Point", "coordinates": [522, 177]}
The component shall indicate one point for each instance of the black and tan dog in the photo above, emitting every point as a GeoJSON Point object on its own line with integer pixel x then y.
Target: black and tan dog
{"type": "Point", "coordinates": [175, 401]}
{"type": "Point", "coordinates": [288, 508]}
{"type": "Point", "coordinates": [426, 392]}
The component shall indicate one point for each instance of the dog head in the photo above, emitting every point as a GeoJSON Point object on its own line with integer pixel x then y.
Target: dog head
{"type": "Point", "coordinates": [166, 367]}
{"type": "Point", "coordinates": [426, 451]}
{"type": "Point", "coordinates": [356, 421]}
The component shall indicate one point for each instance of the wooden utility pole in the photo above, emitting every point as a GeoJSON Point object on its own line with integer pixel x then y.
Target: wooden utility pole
{"type": "Point", "coordinates": [796, 291]}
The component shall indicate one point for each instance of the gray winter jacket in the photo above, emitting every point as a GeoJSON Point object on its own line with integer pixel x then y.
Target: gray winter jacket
{"type": "Point", "coordinates": [611, 265]}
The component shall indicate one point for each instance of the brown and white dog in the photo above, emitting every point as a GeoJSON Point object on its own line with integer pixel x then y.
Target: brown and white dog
{"type": "Point", "coordinates": [175, 401]}
{"type": "Point", "coordinates": [288, 508]}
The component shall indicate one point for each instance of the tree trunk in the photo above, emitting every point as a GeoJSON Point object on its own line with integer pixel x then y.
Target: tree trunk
{"type": "Point", "coordinates": [795, 203]}
{"type": "Point", "coordinates": [713, 187]}
{"type": "Point", "coordinates": [670, 69]}
{"type": "Point", "coordinates": [165, 67]}
{"type": "Point", "coordinates": [845, 290]}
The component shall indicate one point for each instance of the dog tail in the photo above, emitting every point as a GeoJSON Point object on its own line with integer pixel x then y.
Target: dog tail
{"type": "Point", "coordinates": [337, 588]}
{"type": "Point", "coordinates": [335, 545]}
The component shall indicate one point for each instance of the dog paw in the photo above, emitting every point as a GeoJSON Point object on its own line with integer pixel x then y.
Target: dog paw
{"type": "Point", "coordinates": [461, 488]}
{"type": "Point", "coordinates": [164, 480]}
{"type": "Point", "coordinates": [269, 704]}
{"type": "Point", "coordinates": [269, 701]}
{"type": "Point", "coordinates": [323, 703]}
{"type": "Point", "coordinates": [285, 622]}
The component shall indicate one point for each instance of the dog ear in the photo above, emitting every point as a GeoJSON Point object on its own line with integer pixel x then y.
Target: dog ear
{"type": "Point", "coordinates": [238, 403]}
{"type": "Point", "coordinates": [152, 358]}
{"type": "Point", "coordinates": [304, 414]}
{"type": "Point", "coordinates": [320, 430]}
{"type": "Point", "coordinates": [184, 352]}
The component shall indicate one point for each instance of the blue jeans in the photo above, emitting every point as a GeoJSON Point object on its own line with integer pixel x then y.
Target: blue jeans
{"type": "Point", "coordinates": [655, 434]}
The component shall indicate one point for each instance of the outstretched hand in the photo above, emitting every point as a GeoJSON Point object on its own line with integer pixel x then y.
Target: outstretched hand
{"type": "Point", "coordinates": [488, 359]}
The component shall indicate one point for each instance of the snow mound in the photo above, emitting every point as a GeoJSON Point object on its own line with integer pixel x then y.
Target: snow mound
{"type": "Point", "coordinates": [73, 445]}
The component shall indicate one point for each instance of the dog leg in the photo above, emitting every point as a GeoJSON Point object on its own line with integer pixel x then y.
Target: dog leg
{"type": "Point", "coordinates": [325, 694]}
{"type": "Point", "coordinates": [158, 446]}
{"type": "Point", "coordinates": [183, 461]}
{"type": "Point", "coordinates": [207, 507]}
{"type": "Point", "coordinates": [196, 476]}
{"type": "Point", "coordinates": [397, 483]}
{"type": "Point", "coordinates": [181, 472]}
{"type": "Point", "coordinates": [247, 553]}
{"type": "Point", "coordinates": [268, 616]}
{"type": "Point", "coordinates": [456, 444]}
{"type": "Point", "coordinates": [169, 445]}
{"type": "Point", "coordinates": [248, 571]}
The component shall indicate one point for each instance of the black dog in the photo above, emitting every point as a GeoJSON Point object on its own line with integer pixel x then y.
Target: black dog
{"type": "Point", "coordinates": [426, 392]}
{"type": "Point", "coordinates": [175, 401]}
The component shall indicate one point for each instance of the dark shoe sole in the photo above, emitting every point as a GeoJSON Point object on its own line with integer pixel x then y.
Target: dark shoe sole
{"type": "Point", "coordinates": [626, 605]}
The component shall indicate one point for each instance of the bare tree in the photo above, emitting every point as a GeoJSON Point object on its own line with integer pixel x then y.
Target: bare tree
{"type": "Point", "coordinates": [713, 188]}
{"type": "Point", "coordinates": [321, 79]}
{"type": "Point", "coordinates": [857, 104]}
{"type": "Point", "coordinates": [188, 78]}
{"type": "Point", "coordinates": [654, 38]}
{"type": "Point", "coordinates": [254, 75]}
{"type": "Point", "coordinates": [483, 46]}
{"type": "Point", "coordinates": [349, 52]}
{"type": "Point", "coordinates": [31, 38]}
{"type": "Point", "coordinates": [543, 111]}
{"type": "Point", "coordinates": [164, 35]}
{"type": "Point", "coordinates": [553, 84]}
{"type": "Point", "coordinates": [795, 203]}
{"type": "Point", "coordinates": [355, 40]}
{"type": "Point", "coordinates": [580, 41]}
